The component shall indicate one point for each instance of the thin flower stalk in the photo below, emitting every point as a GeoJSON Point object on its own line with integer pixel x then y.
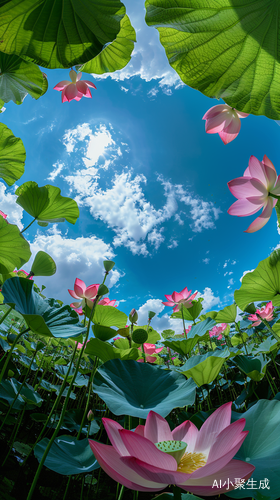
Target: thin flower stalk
{"type": "Point", "coordinates": [11, 352]}
{"type": "Point", "coordinates": [5, 315]}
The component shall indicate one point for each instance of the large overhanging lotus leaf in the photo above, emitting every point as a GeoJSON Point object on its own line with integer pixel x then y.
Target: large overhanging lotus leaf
{"type": "Point", "coordinates": [203, 369]}
{"type": "Point", "coordinates": [262, 449]}
{"type": "Point", "coordinates": [201, 328]}
{"type": "Point", "coordinates": [12, 155]}
{"type": "Point", "coordinates": [131, 388]}
{"type": "Point", "coordinates": [108, 316]}
{"type": "Point", "coordinates": [268, 345]}
{"type": "Point", "coordinates": [19, 78]}
{"type": "Point", "coordinates": [43, 316]}
{"type": "Point", "coordinates": [260, 285]}
{"type": "Point", "coordinates": [46, 203]}
{"type": "Point", "coordinates": [105, 351]}
{"type": "Point", "coordinates": [14, 249]}
{"type": "Point", "coordinates": [117, 54]}
{"type": "Point", "coordinates": [184, 346]}
{"type": "Point", "coordinates": [190, 314]}
{"type": "Point", "coordinates": [227, 49]}
{"type": "Point", "coordinates": [10, 388]}
{"type": "Point", "coordinates": [67, 456]}
{"type": "Point", "coordinates": [227, 315]}
{"type": "Point", "coordinates": [43, 265]}
{"type": "Point", "coordinates": [254, 368]}
{"type": "Point", "coordinates": [58, 34]}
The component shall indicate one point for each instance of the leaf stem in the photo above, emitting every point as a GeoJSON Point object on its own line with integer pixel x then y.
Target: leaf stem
{"type": "Point", "coordinates": [28, 226]}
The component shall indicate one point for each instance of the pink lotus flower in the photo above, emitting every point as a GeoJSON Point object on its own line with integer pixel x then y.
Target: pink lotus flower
{"type": "Point", "coordinates": [177, 299]}
{"type": "Point", "coordinates": [217, 331]}
{"type": "Point", "coordinates": [223, 120]}
{"type": "Point", "coordinates": [253, 190]}
{"type": "Point", "coordinates": [149, 349]}
{"type": "Point", "coordinates": [107, 302]}
{"type": "Point", "coordinates": [187, 330]}
{"type": "Point", "coordinates": [145, 460]}
{"type": "Point", "coordinates": [24, 272]}
{"type": "Point", "coordinates": [3, 215]}
{"type": "Point", "coordinates": [75, 89]}
{"type": "Point", "coordinates": [81, 291]}
{"type": "Point", "coordinates": [265, 312]}
{"type": "Point", "coordinates": [79, 346]}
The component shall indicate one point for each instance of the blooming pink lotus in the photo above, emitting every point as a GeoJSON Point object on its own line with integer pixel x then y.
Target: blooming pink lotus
{"type": "Point", "coordinates": [223, 120]}
{"type": "Point", "coordinates": [265, 313]}
{"type": "Point", "coordinates": [253, 192]}
{"type": "Point", "coordinates": [217, 331]}
{"type": "Point", "coordinates": [149, 349]}
{"type": "Point", "coordinates": [152, 457]}
{"type": "Point", "coordinates": [187, 330]}
{"type": "Point", "coordinates": [79, 346]}
{"type": "Point", "coordinates": [107, 302]}
{"type": "Point", "coordinates": [81, 291]}
{"type": "Point", "coordinates": [74, 89]}
{"type": "Point", "coordinates": [177, 299]}
{"type": "Point", "coordinates": [3, 215]}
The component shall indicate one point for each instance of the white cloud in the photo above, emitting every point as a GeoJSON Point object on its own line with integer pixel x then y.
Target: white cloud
{"type": "Point", "coordinates": [206, 261]}
{"type": "Point", "coordinates": [231, 272]}
{"type": "Point", "coordinates": [225, 264]}
{"type": "Point", "coordinates": [173, 244]}
{"type": "Point", "coordinates": [75, 258]}
{"type": "Point", "coordinates": [124, 89]}
{"type": "Point", "coordinates": [56, 170]}
{"type": "Point", "coordinates": [230, 281]}
{"type": "Point", "coordinates": [9, 206]}
{"type": "Point", "coordinates": [159, 323]}
{"type": "Point", "coordinates": [209, 299]}
{"type": "Point", "coordinates": [233, 262]}
{"type": "Point", "coordinates": [153, 92]}
{"type": "Point", "coordinates": [226, 273]}
{"type": "Point", "coordinates": [246, 272]}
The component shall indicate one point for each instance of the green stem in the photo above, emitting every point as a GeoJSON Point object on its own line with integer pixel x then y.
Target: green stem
{"type": "Point", "coordinates": [143, 351]}
{"type": "Point", "coordinates": [176, 492]}
{"type": "Point", "coordinates": [121, 493]}
{"type": "Point", "coordinates": [5, 315]}
{"type": "Point", "coordinates": [274, 196]}
{"type": "Point", "coordinates": [88, 398]}
{"type": "Point", "coordinates": [240, 333]}
{"type": "Point", "coordinates": [184, 326]}
{"type": "Point", "coordinates": [15, 435]}
{"type": "Point", "coordinates": [269, 328]}
{"type": "Point", "coordinates": [28, 226]}
{"type": "Point", "coordinates": [67, 486]}
{"type": "Point", "coordinates": [10, 353]}
{"type": "Point", "coordinates": [32, 488]}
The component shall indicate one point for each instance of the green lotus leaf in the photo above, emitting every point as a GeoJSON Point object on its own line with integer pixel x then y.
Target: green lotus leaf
{"type": "Point", "coordinates": [46, 203]}
{"type": "Point", "coordinates": [225, 49]}
{"type": "Point", "coordinates": [131, 388]}
{"type": "Point", "coordinates": [14, 249]}
{"type": "Point", "coordinates": [227, 315]}
{"type": "Point", "coordinates": [105, 351]}
{"type": "Point", "coordinates": [108, 316]}
{"type": "Point", "coordinates": [103, 332]}
{"type": "Point", "coordinates": [184, 346]}
{"type": "Point", "coordinates": [67, 456]}
{"type": "Point", "coordinates": [261, 448]}
{"type": "Point", "coordinates": [167, 334]}
{"type": "Point", "coordinates": [19, 78]}
{"type": "Point", "coordinates": [260, 285]}
{"type": "Point", "coordinates": [191, 313]}
{"type": "Point", "coordinates": [43, 265]}
{"type": "Point", "coordinates": [268, 345]}
{"type": "Point", "coordinates": [203, 369]}
{"type": "Point", "coordinates": [254, 368]}
{"type": "Point", "coordinates": [9, 390]}
{"type": "Point", "coordinates": [12, 155]}
{"type": "Point", "coordinates": [117, 54]}
{"type": "Point", "coordinates": [42, 316]}
{"type": "Point", "coordinates": [58, 34]}
{"type": "Point", "coordinates": [73, 419]}
{"type": "Point", "coordinates": [201, 328]}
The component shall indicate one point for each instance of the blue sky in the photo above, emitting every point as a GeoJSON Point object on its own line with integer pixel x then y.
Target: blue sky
{"type": "Point", "coordinates": [150, 183]}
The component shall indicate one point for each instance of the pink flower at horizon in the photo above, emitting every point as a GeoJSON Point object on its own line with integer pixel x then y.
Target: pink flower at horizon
{"type": "Point", "coordinates": [74, 89]}
{"type": "Point", "coordinates": [149, 349]}
{"type": "Point", "coordinates": [142, 460]}
{"type": "Point", "coordinates": [3, 215]}
{"type": "Point", "coordinates": [216, 331]}
{"type": "Point", "coordinates": [79, 346]}
{"type": "Point", "coordinates": [107, 302]}
{"type": "Point", "coordinates": [252, 192]}
{"type": "Point", "coordinates": [187, 330]}
{"type": "Point", "coordinates": [86, 293]}
{"type": "Point", "coordinates": [265, 312]}
{"type": "Point", "coordinates": [223, 120]}
{"type": "Point", "coordinates": [177, 299]}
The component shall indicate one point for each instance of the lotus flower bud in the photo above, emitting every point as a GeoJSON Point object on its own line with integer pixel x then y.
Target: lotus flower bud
{"type": "Point", "coordinates": [133, 316]}
{"type": "Point", "coordinates": [108, 265]}
{"type": "Point", "coordinates": [102, 290]}
{"type": "Point", "coordinates": [90, 416]}
{"type": "Point", "coordinates": [151, 314]}
{"type": "Point", "coordinates": [139, 336]}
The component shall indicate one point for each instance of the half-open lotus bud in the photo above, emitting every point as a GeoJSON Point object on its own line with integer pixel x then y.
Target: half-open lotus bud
{"type": "Point", "coordinates": [108, 265]}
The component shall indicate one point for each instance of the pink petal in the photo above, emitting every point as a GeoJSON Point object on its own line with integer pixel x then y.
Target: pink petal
{"type": "Point", "coordinates": [91, 291]}
{"type": "Point", "coordinates": [112, 464]}
{"type": "Point", "coordinates": [227, 439]}
{"type": "Point", "coordinates": [169, 304]}
{"type": "Point", "coordinates": [214, 424]}
{"type": "Point", "coordinates": [75, 305]}
{"type": "Point", "coordinates": [79, 75]}
{"type": "Point", "coordinates": [240, 114]}
{"type": "Point", "coordinates": [257, 170]}
{"type": "Point", "coordinates": [243, 187]}
{"type": "Point", "coordinates": [62, 85]}
{"type": "Point", "coordinates": [140, 430]}
{"type": "Point", "coordinates": [157, 428]}
{"type": "Point", "coordinates": [276, 189]}
{"type": "Point", "coordinates": [218, 123]}
{"type": "Point", "coordinates": [90, 84]}
{"type": "Point", "coordinates": [112, 428]}
{"type": "Point", "coordinates": [186, 432]}
{"type": "Point", "coordinates": [241, 208]}
{"type": "Point", "coordinates": [260, 221]}
{"type": "Point", "coordinates": [169, 297]}
{"type": "Point", "coordinates": [79, 287]}
{"type": "Point", "coordinates": [231, 131]}
{"type": "Point", "coordinates": [176, 309]}
{"type": "Point", "coordinates": [176, 297]}
{"type": "Point", "coordinates": [185, 292]}
{"type": "Point", "coordinates": [83, 88]}
{"type": "Point", "coordinates": [215, 110]}
{"type": "Point", "coordinates": [234, 469]}
{"type": "Point", "coordinates": [63, 96]}
{"type": "Point", "coordinates": [73, 294]}
{"type": "Point", "coordinates": [150, 472]}
{"type": "Point", "coordinates": [71, 92]}
{"type": "Point", "coordinates": [142, 449]}
{"type": "Point", "coordinates": [270, 172]}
